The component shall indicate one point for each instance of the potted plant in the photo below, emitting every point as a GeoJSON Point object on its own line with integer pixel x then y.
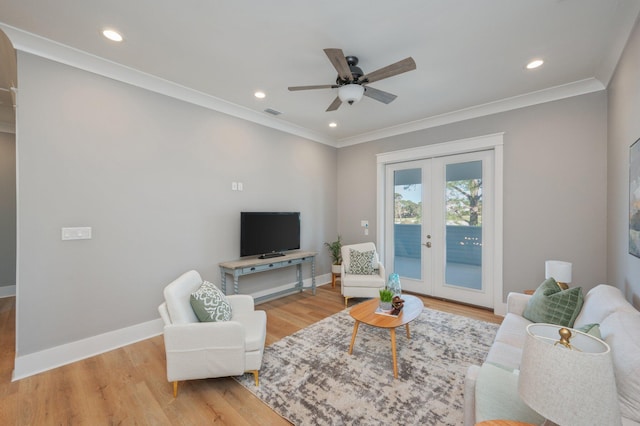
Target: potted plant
{"type": "Point", "coordinates": [386, 297]}
{"type": "Point", "coordinates": [336, 254]}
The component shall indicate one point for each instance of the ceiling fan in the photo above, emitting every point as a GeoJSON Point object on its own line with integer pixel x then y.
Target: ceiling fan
{"type": "Point", "coordinates": [352, 81]}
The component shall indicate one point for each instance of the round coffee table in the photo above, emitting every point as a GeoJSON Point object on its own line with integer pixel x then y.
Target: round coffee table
{"type": "Point", "coordinates": [365, 313]}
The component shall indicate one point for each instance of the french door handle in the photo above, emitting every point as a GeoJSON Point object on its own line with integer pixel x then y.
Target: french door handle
{"type": "Point", "coordinates": [427, 244]}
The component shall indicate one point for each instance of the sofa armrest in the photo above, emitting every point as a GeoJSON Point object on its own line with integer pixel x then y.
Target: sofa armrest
{"type": "Point", "coordinates": [517, 302]}
{"type": "Point", "coordinates": [470, 395]}
{"type": "Point", "coordinates": [241, 304]}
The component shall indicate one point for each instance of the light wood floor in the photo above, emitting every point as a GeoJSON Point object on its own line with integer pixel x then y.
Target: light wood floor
{"type": "Point", "coordinates": [128, 386]}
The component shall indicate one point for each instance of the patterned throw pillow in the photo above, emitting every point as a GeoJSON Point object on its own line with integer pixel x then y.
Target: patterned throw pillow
{"type": "Point", "coordinates": [361, 262]}
{"type": "Point", "coordinates": [552, 305]}
{"type": "Point", "coordinates": [210, 304]}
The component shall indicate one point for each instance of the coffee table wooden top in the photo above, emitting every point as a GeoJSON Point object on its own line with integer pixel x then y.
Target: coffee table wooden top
{"type": "Point", "coordinates": [365, 312]}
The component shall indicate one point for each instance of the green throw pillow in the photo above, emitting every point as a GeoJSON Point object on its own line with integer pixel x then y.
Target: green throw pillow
{"type": "Point", "coordinates": [552, 305]}
{"type": "Point", "coordinates": [592, 329]}
{"type": "Point", "coordinates": [361, 262]}
{"type": "Point", "coordinates": [210, 304]}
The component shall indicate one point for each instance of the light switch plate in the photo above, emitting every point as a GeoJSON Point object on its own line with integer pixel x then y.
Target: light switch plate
{"type": "Point", "coordinates": [78, 233]}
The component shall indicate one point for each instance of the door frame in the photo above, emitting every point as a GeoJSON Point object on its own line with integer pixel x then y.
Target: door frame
{"type": "Point", "coordinates": [492, 142]}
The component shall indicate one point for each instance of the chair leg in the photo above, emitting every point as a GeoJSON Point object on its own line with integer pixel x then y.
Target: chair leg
{"type": "Point", "coordinates": [255, 376]}
{"type": "Point", "coordinates": [175, 389]}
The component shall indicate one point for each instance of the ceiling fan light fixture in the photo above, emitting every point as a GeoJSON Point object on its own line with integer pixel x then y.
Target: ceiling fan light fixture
{"type": "Point", "coordinates": [350, 93]}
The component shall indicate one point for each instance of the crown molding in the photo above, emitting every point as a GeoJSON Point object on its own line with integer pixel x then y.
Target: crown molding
{"type": "Point", "coordinates": [49, 49]}
{"type": "Point", "coordinates": [541, 96]}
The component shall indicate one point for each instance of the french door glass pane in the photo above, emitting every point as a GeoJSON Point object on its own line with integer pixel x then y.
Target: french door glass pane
{"type": "Point", "coordinates": [407, 227]}
{"type": "Point", "coordinates": [463, 209]}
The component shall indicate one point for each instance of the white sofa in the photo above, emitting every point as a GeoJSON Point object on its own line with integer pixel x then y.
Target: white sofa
{"type": "Point", "coordinates": [619, 326]}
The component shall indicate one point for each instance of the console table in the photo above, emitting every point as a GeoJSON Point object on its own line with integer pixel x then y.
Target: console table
{"type": "Point", "coordinates": [253, 265]}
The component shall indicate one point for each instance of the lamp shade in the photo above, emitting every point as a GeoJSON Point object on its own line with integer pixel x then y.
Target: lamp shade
{"type": "Point", "coordinates": [568, 386]}
{"type": "Point", "coordinates": [350, 93]}
{"type": "Point", "coordinates": [558, 270]}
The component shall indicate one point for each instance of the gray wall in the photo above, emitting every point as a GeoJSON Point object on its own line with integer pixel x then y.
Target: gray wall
{"type": "Point", "coordinates": [7, 209]}
{"type": "Point", "coordinates": [624, 129]}
{"type": "Point", "coordinates": [554, 186]}
{"type": "Point", "coordinates": [152, 176]}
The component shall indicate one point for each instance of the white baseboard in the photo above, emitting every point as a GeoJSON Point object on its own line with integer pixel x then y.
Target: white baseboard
{"type": "Point", "coordinates": [290, 286]}
{"type": "Point", "coordinates": [38, 362]}
{"type": "Point", "coordinates": [7, 291]}
{"type": "Point", "coordinates": [28, 365]}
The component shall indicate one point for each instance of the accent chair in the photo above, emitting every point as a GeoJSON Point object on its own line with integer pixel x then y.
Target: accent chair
{"type": "Point", "coordinates": [199, 350]}
{"type": "Point", "coordinates": [363, 276]}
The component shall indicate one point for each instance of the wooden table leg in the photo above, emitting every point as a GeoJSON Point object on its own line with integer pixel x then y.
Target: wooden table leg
{"type": "Point", "coordinates": [353, 337]}
{"type": "Point", "coordinates": [408, 332]}
{"type": "Point", "coordinates": [393, 353]}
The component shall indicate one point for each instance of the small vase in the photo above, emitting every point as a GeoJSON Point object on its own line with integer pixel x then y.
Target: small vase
{"type": "Point", "coordinates": [393, 284]}
{"type": "Point", "coordinates": [385, 306]}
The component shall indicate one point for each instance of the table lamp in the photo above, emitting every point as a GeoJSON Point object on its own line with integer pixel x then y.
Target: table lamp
{"type": "Point", "coordinates": [559, 271]}
{"type": "Point", "coordinates": [567, 377]}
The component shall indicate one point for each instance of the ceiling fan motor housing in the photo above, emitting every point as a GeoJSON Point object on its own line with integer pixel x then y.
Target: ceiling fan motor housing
{"type": "Point", "coordinates": [356, 72]}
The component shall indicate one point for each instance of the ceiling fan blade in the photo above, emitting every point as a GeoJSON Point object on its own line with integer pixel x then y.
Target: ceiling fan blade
{"type": "Point", "coordinates": [335, 104]}
{"type": "Point", "coordinates": [407, 64]}
{"type": "Point", "coordinates": [320, 86]}
{"type": "Point", "coordinates": [379, 95]}
{"type": "Point", "coordinates": [339, 63]}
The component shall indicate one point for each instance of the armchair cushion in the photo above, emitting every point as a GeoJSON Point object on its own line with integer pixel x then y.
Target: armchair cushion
{"type": "Point", "coordinates": [210, 304]}
{"type": "Point", "coordinates": [361, 262]}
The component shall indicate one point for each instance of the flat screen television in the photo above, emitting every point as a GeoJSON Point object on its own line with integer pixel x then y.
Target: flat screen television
{"type": "Point", "coordinates": [269, 234]}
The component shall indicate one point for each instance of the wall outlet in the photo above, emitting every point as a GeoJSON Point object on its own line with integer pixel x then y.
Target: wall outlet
{"type": "Point", "coordinates": [78, 233]}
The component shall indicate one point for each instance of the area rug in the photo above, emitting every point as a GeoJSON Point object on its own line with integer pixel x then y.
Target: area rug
{"type": "Point", "coordinates": [310, 379]}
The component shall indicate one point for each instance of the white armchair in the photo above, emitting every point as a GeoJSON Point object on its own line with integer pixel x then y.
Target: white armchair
{"type": "Point", "coordinates": [199, 350]}
{"type": "Point", "coordinates": [354, 285]}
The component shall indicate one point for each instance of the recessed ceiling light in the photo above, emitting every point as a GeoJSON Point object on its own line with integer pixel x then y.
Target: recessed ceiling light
{"type": "Point", "coordinates": [260, 94]}
{"type": "Point", "coordinates": [333, 124]}
{"type": "Point", "coordinates": [535, 64]}
{"type": "Point", "coordinates": [112, 35]}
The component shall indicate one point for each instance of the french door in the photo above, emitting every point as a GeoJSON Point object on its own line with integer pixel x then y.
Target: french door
{"type": "Point", "coordinates": [439, 219]}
